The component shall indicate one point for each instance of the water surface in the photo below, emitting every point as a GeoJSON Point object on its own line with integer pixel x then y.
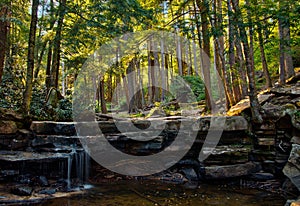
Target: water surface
{"type": "Point", "coordinates": [132, 193]}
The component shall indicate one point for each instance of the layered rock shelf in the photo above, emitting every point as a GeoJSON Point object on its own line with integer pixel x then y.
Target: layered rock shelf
{"type": "Point", "coordinates": [249, 152]}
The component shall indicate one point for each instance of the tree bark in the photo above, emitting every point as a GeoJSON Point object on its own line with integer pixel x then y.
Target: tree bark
{"type": "Point", "coordinates": [4, 28]}
{"type": "Point", "coordinates": [286, 62]}
{"type": "Point", "coordinates": [254, 104]}
{"type": "Point", "coordinates": [263, 58]}
{"type": "Point", "coordinates": [102, 96]}
{"type": "Point", "coordinates": [56, 45]}
{"type": "Point", "coordinates": [204, 8]}
{"type": "Point", "coordinates": [48, 67]}
{"type": "Point", "coordinates": [219, 49]}
{"type": "Point", "coordinates": [30, 58]}
{"type": "Point", "coordinates": [232, 60]}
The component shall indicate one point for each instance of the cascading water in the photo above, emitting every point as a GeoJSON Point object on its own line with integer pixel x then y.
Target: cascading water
{"type": "Point", "coordinates": [70, 161]}
{"type": "Point", "coordinates": [78, 166]}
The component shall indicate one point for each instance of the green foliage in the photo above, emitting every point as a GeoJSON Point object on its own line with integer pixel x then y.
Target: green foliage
{"type": "Point", "coordinates": [197, 86]}
{"type": "Point", "coordinates": [11, 90]}
{"type": "Point", "coordinates": [41, 111]}
{"type": "Point", "coordinates": [297, 114]}
{"type": "Point", "coordinates": [64, 110]}
{"type": "Point", "coordinates": [37, 107]}
{"type": "Point", "coordinates": [185, 87]}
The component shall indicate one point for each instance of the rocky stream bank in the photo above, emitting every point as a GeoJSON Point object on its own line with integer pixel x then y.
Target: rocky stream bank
{"type": "Point", "coordinates": [40, 160]}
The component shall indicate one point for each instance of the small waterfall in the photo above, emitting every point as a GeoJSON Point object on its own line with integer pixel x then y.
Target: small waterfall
{"type": "Point", "coordinates": [87, 166]}
{"type": "Point", "coordinates": [70, 161]}
{"type": "Point", "coordinates": [78, 166]}
{"type": "Point", "coordinates": [79, 159]}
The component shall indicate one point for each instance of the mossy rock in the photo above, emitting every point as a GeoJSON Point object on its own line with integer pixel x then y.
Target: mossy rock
{"type": "Point", "coordinates": [8, 127]}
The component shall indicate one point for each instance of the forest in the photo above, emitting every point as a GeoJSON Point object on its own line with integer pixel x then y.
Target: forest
{"type": "Point", "coordinates": [251, 44]}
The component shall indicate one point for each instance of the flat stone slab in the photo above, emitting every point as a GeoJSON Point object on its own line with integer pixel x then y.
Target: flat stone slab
{"type": "Point", "coordinates": [17, 156]}
{"type": "Point", "coordinates": [7, 198]}
{"type": "Point", "coordinates": [203, 124]}
{"type": "Point", "coordinates": [230, 171]}
{"type": "Point", "coordinates": [245, 104]}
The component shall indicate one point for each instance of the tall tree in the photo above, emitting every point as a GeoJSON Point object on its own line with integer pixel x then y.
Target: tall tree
{"type": "Point", "coordinates": [4, 27]}
{"type": "Point", "coordinates": [254, 104]}
{"type": "Point", "coordinates": [30, 58]}
{"type": "Point", "coordinates": [204, 8]}
{"type": "Point", "coordinates": [57, 44]}
{"type": "Point", "coordinates": [286, 62]}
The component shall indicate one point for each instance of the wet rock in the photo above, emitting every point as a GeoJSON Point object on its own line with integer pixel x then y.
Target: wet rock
{"type": "Point", "coordinates": [43, 181]}
{"type": "Point", "coordinates": [6, 173]}
{"type": "Point", "coordinates": [262, 176]}
{"type": "Point", "coordinates": [53, 128]}
{"type": "Point", "coordinates": [22, 191]}
{"type": "Point", "coordinates": [47, 191]}
{"type": "Point", "coordinates": [295, 140]}
{"type": "Point", "coordinates": [8, 127]}
{"type": "Point", "coordinates": [25, 179]}
{"type": "Point", "coordinates": [292, 168]}
{"type": "Point", "coordinates": [25, 134]}
{"type": "Point", "coordinates": [290, 191]}
{"type": "Point", "coordinates": [229, 171]}
{"type": "Point", "coordinates": [175, 178]}
{"type": "Point", "coordinates": [154, 145]}
{"type": "Point", "coordinates": [231, 154]}
{"type": "Point", "coordinates": [190, 174]}
{"type": "Point", "coordinates": [19, 143]}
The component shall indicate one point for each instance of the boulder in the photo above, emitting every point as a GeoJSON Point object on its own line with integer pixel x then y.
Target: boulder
{"type": "Point", "coordinates": [53, 128]}
{"type": "Point", "coordinates": [235, 123]}
{"type": "Point", "coordinates": [292, 168]}
{"type": "Point", "coordinates": [230, 171]}
{"type": "Point", "coordinates": [47, 191]}
{"type": "Point", "coordinates": [190, 174]}
{"type": "Point", "coordinates": [296, 203]}
{"type": "Point", "coordinates": [8, 127]}
{"type": "Point", "coordinates": [22, 191]}
{"type": "Point", "coordinates": [43, 181]}
{"type": "Point", "coordinates": [245, 104]}
{"type": "Point", "coordinates": [296, 140]}
{"type": "Point", "coordinates": [262, 176]}
{"type": "Point", "coordinates": [6, 114]}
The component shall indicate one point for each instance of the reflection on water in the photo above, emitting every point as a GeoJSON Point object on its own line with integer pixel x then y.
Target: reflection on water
{"type": "Point", "coordinates": [153, 193]}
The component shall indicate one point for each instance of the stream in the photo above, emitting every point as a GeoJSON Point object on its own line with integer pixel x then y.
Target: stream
{"type": "Point", "coordinates": [131, 193]}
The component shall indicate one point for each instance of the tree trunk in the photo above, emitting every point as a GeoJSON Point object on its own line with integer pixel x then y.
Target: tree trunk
{"type": "Point", "coordinates": [286, 69]}
{"type": "Point", "coordinates": [241, 66]}
{"type": "Point", "coordinates": [30, 58]}
{"type": "Point", "coordinates": [40, 58]}
{"type": "Point", "coordinates": [48, 68]}
{"type": "Point", "coordinates": [263, 57]}
{"type": "Point", "coordinates": [254, 104]}
{"type": "Point", "coordinates": [156, 73]}
{"type": "Point", "coordinates": [4, 28]}
{"type": "Point", "coordinates": [219, 49]}
{"type": "Point", "coordinates": [56, 45]}
{"type": "Point", "coordinates": [163, 70]}
{"type": "Point", "coordinates": [102, 96]}
{"type": "Point", "coordinates": [204, 8]}
{"type": "Point", "coordinates": [150, 59]}
{"type": "Point", "coordinates": [232, 61]}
